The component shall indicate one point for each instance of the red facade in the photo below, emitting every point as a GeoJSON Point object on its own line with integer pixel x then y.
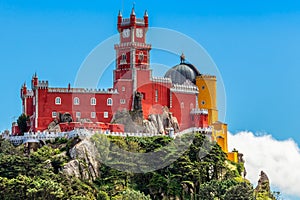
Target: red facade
{"type": "Point", "coordinates": [132, 74]}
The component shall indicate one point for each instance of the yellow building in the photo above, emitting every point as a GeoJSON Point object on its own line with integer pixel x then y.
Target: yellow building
{"type": "Point", "coordinates": [207, 99]}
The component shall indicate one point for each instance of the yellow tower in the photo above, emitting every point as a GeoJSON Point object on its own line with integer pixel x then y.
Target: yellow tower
{"type": "Point", "coordinates": [207, 98]}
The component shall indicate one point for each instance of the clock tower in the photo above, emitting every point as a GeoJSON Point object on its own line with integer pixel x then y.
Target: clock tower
{"type": "Point", "coordinates": [132, 53]}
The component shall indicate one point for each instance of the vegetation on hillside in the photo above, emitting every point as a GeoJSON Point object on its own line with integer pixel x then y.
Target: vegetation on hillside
{"type": "Point", "coordinates": [39, 175]}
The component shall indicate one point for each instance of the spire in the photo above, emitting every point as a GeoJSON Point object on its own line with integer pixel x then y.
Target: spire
{"type": "Point", "coordinates": [120, 13]}
{"type": "Point", "coordinates": [35, 75]}
{"type": "Point", "coordinates": [132, 11]}
{"type": "Point", "coordinates": [182, 58]}
{"type": "Point", "coordinates": [146, 13]}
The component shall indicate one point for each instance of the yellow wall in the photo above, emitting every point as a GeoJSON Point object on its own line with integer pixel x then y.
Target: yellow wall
{"type": "Point", "coordinates": [233, 156]}
{"type": "Point", "coordinates": [207, 98]}
{"type": "Point", "coordinates": [220, 135]}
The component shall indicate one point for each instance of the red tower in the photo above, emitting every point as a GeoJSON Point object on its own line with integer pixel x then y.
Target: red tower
{"type": "Point", "coordinates": [132, 54]}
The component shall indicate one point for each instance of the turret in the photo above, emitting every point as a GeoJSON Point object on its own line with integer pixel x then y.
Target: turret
{"type": "Point", "coordinates": [146, 19]}
{"type": "Point", "coordinates": [23, 90]}
{"type": "Point", "coordinates": [34, 81]}
{"type": "Point", "coordinates": [120, 18]}
{"type": "Point", "coordinates": [132, 17]}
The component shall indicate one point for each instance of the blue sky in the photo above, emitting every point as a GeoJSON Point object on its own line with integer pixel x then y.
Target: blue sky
{"type": "Point", "coordinates": [255, 45]}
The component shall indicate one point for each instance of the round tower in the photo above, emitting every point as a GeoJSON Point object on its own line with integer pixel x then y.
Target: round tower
{"type": "Point", "coordinates": [207, 98]}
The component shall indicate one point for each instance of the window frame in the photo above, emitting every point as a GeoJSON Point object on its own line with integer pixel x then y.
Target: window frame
{"type": "Point", "coordinates": [93, 115]}
{"type": "Point", "coordinates": [105, 115]}
{"type": "Point", "coordinates": [76, 101]}
{"type": "Point", "coordinates": [93, 101]}
{"type": "Point", "coordinates": [54, 114]}
{"type": "Point", "coordinates": [109, 101]}
{"type": "Point", "coordinates": [57, 100]}
{"type": "Point", "coordinates": [78, 115]}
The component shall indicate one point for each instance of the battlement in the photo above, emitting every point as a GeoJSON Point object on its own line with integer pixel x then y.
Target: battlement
{"type": "Point", "coordinates": [126, 22]}
{"type": "Point", "coordinates": [185, 88]}
{"type": "Point", "coordinates": [82, 90]}
{"type": "Point", "coordinates": [133, 44]}
{"type": "Point", "coordinates": [30, 93]}
{"type": "Point", "coordinates": [43, 84]}
{"type": "Point", "coordinates": [208, 76]}
{"type": "Point", "coordinates": [196, 111]}
{"type": "Point", "coordinates": [161, 80]}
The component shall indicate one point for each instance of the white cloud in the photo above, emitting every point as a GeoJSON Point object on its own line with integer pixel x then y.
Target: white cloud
{"type": "Point", "coordinates": [279, 159]}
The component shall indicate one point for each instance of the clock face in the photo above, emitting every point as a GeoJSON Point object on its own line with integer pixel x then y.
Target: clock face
{"type": "Point", "coordinates": [139, 33]}
{"type": "Point", "coordinates": [126, 33]}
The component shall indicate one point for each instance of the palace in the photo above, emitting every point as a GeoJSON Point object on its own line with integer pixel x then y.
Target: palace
{"type": "Point", "coordinates": [189, 97]}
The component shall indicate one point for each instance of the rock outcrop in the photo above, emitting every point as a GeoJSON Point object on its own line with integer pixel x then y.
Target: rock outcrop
{"type": "Point", "coordinates": [262, 190]}
{"type": "Point", "coordinates": [84, 163]}
{"type": "Point", "coordinates": [156, 123]}
{"type": "Point", "coordinates": [54, 126]}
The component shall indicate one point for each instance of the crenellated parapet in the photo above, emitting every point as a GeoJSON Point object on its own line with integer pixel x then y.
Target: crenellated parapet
{"type": "Point", "coordinates": [185, 88]}
{"type": "Point", "coordinates": [43, 84]}
{"type": "Point", "coordinates": [198, 111]}
{"type": "Point", "coordinates": [161, 80]}
{"type": "Point", "coordinates": [205, 76]}
{"type": "Point", "coordinates": [82, 90]}
{"type": "Point", "coordinates": [133, 44]}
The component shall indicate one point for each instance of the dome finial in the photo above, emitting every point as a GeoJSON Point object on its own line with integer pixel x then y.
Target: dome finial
{"type": "Point", "coordinates": [182, 58]}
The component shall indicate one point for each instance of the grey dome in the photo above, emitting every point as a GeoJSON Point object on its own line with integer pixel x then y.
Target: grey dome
{"type": "Point", "coordinates": [182, 72]}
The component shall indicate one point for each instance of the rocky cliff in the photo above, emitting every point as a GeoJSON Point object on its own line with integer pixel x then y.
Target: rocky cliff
{"type": "Point", "coordinates": [262, 190]}
{"type": "Point", "coordinates": [84, 163]}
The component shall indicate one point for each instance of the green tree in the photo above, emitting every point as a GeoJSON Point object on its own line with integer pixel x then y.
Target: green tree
{"type": "Point", "coordinates": [241, 191]}
{"type": "Point", "coordinates": [22, 123]}
{"type": "Point", "coordinates": [102, 196]}
{"type": "Point", "coordinates": [132, 194]}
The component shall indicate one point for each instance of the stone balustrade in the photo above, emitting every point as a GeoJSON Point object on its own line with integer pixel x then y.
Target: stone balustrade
{"type": "Point", "coordinates": [44, 136]}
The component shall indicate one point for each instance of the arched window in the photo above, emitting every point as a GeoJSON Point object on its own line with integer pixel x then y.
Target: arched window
{"type": "Point", "coordinates": [182, 105]}
{"type": "Point", "coordinates": [58, 101]}
{"type": "Point", "coordinates": [93, 101]}
{"type": "Point", "coordinates": [109, 102]}
{"type": "Point", "coordinates": [76, 101]}
{"type": "Point", "coordinates": [141, 56]}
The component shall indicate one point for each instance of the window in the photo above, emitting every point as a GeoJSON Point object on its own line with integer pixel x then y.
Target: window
{"type": "Point", "coordinates": [105, 115]}
{"type": "Point", "coordinates": [123, 59]}
{"type": "Point", "coordinates": [58, 101]}
{"type": "Point", "coordinates": [78, 115]}
{"type": "Point", "coordinates": [191, 106]}
{"type": "Point", "coordinates": [76, 101]}
{"type": "Point", "coordinates": [93, 115]}
{"type": "Point", "coordinates": [203, 87]}
{"type": "Point", "coordinates": [141, 56]}
{"type": "Point", "coordinates": [122, 101]}
{"type": "Point", "coordinates": [93, 101]}
{"type": "Point", "coordinates": [156, 95]}
{"type": "Point", "coordinates": [109, 102]}
{"type": "Point", "coordinates": [54, 114]}
{"type": "Point", "coordinates": [123, 89]}
{"type": "Point", "coordinates": [203, 102]}
{"type": "Point", "coordinates": [182, 105]}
